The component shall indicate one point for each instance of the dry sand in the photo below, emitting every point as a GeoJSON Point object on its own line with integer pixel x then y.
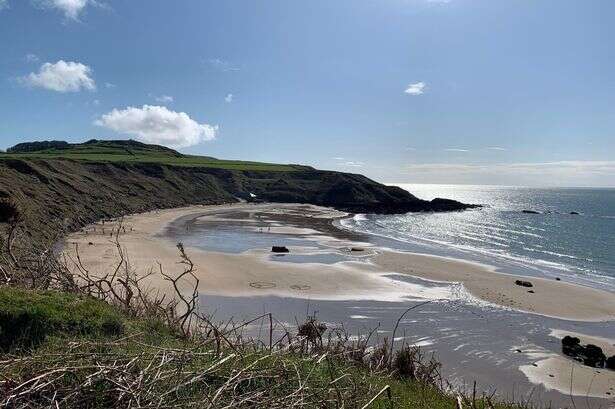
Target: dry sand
{"type": "Point", "coordinates": [253, 273]}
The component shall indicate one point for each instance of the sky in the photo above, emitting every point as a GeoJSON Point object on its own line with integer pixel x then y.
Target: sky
{"type": "Point", "coordinates": [518, 92]}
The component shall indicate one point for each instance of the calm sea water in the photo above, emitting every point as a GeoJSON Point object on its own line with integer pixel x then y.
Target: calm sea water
{"type": "Point", "coordinates": [551, 243]}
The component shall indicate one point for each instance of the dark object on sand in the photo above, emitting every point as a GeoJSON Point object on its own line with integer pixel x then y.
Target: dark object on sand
{"type": "Point", "coordinates": [524, 283]}
{"type": "Point", "coordinates": [590, 355]}
{"type": "Point", "coordinates": [574, 213]}
{"type": "Point", "coordinates": [357, 249]}
{"type": "Point", "coordinates": [90, 243]}
{"type": "Point", "coordinates": [531, 291]}
{"type": "Point", "coordinates": [558, 279]}
{"type": "Point", "coordinates": [530, 212]}
{"type": "Point", "coordinates": [610, 363]}
{"type": "Point", "coordinates": [279, 249]}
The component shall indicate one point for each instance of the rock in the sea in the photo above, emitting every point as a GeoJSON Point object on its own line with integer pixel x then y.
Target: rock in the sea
{"type": "Point", "coordinates": [357, 249]}
{"type": "Point", "coordinates": [279, 249]}
{"type": "Point", "coordinates": [524, 283]}
{"type": "Point", "coordinates": [530, 212]}
{"type": "Point", "coordinates": [610, 363]}
{"type": "Point", "coordinates": [574, 213]}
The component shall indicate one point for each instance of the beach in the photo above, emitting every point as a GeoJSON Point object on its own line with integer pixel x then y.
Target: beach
{"type": "Point", "coordinates": [233, 274]}
{"type": "Point", "coordinates": [331, 265]}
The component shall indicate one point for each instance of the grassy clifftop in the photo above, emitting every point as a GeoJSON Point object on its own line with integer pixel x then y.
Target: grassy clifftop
{"type": "Point", "coordinates": [132, 152]}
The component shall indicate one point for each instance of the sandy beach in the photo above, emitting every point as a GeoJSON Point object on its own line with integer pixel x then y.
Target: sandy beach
{"type": "Point", "coordinates": [368, 274]}
{"type": "Point", "coordinates": [253, 273]}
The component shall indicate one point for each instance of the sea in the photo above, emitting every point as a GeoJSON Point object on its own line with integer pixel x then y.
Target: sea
{"type": "Point", "coordinates": [553, 242]}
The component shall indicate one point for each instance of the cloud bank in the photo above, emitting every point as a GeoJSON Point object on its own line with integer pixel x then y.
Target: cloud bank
{"type": "Point", "coordinates": [158, 125]}
{"type": "Point", "coordinates": [62, 77]}
{"type": "Point", "coordinates": [557, 173]}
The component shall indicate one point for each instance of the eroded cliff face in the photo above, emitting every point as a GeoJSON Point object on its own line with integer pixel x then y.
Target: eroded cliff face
{"type": "Point", "coordinates": [57, 195]}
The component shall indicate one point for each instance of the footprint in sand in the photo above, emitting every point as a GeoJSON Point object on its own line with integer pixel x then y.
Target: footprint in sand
{"type": "Point", "coordinates": [262, 285]}
{"type": "Point", "coordinates": [300, 287]}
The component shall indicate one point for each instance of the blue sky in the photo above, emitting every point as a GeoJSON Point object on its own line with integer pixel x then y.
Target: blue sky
{"type": "Point", "coordinates": [430, 91]}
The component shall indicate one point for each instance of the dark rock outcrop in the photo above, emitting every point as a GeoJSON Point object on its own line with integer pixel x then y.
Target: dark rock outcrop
{"type": "Point", "coordinates": [523, 283]}
{"type": "Point", "coordinates": [530, 212]}
{"type": "Point", "coordinates": [590, 355]}
{"type": "Point", "coordinates": [279, 249]}
{"type": "Point", "coordinates": [571, 346]}
{"type": "Point", "coordinates": [593, 356]}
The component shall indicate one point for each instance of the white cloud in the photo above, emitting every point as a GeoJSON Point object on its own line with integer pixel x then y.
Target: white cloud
{"type": "Point", "coordinates": [96, 102]}
{"type": "Point", "coordinates": [62, 77]}
{"type": "Point", "coordinates": [159, 125]}
{"type": "Point", "coordinates": [221, 65]}
{"type": "Point", "coordinates": [165, 99]}
{"type": "Point", "coordinates": [228, 98]}
{"type": "Point", "coordinates": [71, 8]}
{"type": "Point", "coordinates": [338, 158]}
{"type": "Point", "coordinates": [496, 148]}
{"type": "Point", "coordinates": [32, 58]}
{"type": "Point", "coordinates": [109, 85]}
{"type": "Point", "coordinates": [418, 88]}
{"type": "Point", "coordinates": [354, 164]}
{"type": "Point", "coordinates": [456, 150]}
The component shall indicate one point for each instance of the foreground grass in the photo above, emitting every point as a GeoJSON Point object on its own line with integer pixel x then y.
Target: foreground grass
{"type": "Point", "coordinates": [143, 363]}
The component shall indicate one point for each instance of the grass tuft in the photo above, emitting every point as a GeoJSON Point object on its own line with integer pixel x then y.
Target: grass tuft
{"type": "Point", "coordinates": [27, 318]}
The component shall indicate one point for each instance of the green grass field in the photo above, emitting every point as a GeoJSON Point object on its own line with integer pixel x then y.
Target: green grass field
{"type": "Point", "coordinates": [132, 152]}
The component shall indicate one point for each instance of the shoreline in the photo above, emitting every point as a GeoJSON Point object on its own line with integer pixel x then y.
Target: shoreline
{"type": "Point", "coordinates": [373, 274]}
{"type": "Point", "coordinates": [252, 273]}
